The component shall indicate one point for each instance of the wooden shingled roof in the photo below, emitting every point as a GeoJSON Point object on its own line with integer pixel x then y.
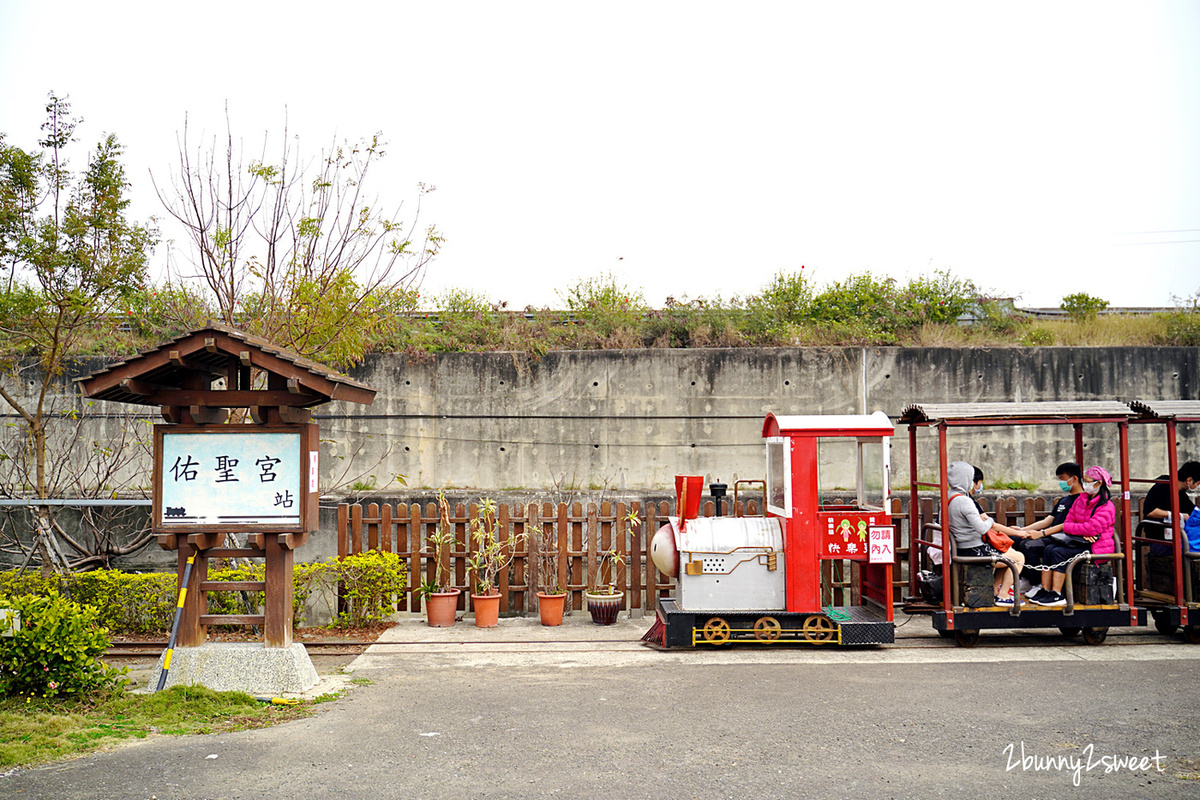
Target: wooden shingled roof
{"type": "Point", "coordinates": [923, 413]}
{"type": "Point", "coordinates": [180, 373]}
{"type": "Point", "coordinates": [1188, 410]}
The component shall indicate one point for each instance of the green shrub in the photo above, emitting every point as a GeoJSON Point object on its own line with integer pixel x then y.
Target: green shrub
{"type": "Point", "coordinates": [1182, 329]}
{"type": "Point", "coordinates": [55, 653]}
{"type": "Point", "coordinates": [370, 583]}
{"type": "Point", "coordinates": [785, 303]}
{"type": "Point", "coordinates": [129, 602]}
{"type": "Point", "coordinates": [125, 602]}
{"type": "Point", "coordinates": [1082, 306]}
{"type": "Point", "coordinates": [605, 305]}
{"type": "Point", "coordinates": [940, 300]}
{"type": "Point", "coordinates": [999, 316]}
{"type": "Point", "coordinates": [144, 603]}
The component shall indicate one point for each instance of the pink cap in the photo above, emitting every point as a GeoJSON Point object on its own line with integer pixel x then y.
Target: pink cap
{"type": "Point", "coordinates": [1099, 474]}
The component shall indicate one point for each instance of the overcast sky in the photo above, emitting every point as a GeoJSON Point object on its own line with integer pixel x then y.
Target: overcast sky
{"type": "Point", "coordinates": [691, 148]}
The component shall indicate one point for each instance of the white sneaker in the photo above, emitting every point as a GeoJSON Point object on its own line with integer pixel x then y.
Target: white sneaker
{"type": "Point", "coordinates": [1026, 587]}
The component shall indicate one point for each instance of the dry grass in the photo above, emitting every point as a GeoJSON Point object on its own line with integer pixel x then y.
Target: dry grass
{"type": "Point", "coordinates": [1106, 331]}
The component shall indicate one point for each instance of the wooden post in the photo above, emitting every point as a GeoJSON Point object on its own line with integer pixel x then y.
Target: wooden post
{"type": "Point", "coordinates": [277, 610]}
{"type": "Point", "coordinates": [191, 633]}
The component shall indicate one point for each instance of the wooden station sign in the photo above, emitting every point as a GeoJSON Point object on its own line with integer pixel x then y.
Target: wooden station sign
{"type": "Point", "coordinates": [218, 478]}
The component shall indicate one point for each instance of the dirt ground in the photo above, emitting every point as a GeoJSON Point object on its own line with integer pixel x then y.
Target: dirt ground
{"type": "Point", "coordinates": [326, 659]}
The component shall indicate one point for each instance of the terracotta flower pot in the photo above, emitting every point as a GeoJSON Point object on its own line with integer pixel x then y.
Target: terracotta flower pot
{"type": "Point", "coordinates": [441, 608]}
{"type": "Point", "coordinates": [550, 607]}
{"type": "Point", "coordinates": [604, 607]}
{"type": "Point", "coordinates": [487, 610]}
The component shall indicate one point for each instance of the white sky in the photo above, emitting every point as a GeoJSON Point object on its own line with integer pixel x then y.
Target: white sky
{"type": "Point", "coordinates": [691, 148]}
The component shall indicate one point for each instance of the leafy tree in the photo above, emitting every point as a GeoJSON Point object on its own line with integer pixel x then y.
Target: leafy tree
{"type": "Point", "coordinates": [1082, 306]}
{"type": "Point", "coordinates": [296, 251]}
{"type": "Point", "coordinates": [71, 256]}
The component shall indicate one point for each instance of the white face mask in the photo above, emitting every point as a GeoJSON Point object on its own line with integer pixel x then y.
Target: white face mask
{"type": "Point", "coordinates": [1092, 487]}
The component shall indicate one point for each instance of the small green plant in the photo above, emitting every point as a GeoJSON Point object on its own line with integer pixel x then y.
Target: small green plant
{"type": "Point", "coordinates": [441, 541]}
{"type": "Point", "coordinates": [1081, 306]}
{"type": "Point", "coordinates": [1014, 485]}
{"type": "Point", "coordinates": [492, 555]}
{"type": "Point", "coordinates": [612, 563]}
{"type": "Point", "coordinates": [1036, 337]}
{"type": "Point", "coordinates": [55, 652]}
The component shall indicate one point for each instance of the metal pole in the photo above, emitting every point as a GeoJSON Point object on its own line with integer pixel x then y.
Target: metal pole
{"type": "Point", "coordinates": [187, 576]}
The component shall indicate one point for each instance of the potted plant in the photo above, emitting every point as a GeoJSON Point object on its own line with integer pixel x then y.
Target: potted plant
{"type": "Point", "coordinates": [603, 598]}
{"type": "Point", "coordinates": [490, 558]}
{"type": "Point", "coordinates": [440, 596]}
{"type": "Point", "coordinates": [551, 597]}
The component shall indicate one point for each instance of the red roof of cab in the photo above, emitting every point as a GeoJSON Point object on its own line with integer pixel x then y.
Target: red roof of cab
{"type": "Point", "coordinates": [877, 424]}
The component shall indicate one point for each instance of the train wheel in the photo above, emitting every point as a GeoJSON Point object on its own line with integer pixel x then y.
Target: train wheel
{"type": "Point", "coordinates": [818, 628]}
{"type": "Point", "coordinates": [767, 629]}
{"type": "Point", "coordinates": [1069, 631]}
{"type": "Point", "coordinates": [716, 631]}
{"type": "Point", "coordinates": [966, 638]}
{"type": "Point", "coordinates": [1165, 628]}
{"type": "Point", "coordinates": [1095, 635]}
{"type": "Point", "coordinates": [1192, 634]}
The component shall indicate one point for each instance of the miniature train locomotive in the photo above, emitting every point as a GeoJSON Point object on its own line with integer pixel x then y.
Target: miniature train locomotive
{"type": "Point", "coordinates": [761, 578]}
{"type": "Point", "coordinates": [768, 579]}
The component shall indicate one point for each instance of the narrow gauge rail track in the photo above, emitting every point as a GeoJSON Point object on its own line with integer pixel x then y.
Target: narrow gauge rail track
{"type": "Point", "coordinates": [925, 642]}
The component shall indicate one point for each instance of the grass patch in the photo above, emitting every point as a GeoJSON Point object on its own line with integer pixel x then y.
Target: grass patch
{"type": "Point", "coordinates": [37, 732]}
{"type": "Point", "coordinates": [1027, 486]}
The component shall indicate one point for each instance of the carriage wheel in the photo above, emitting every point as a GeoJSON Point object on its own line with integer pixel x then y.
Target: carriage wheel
{"type": "Point", "coordinates": [818, 628]}
{"type": "Point", "coordinates": [716, 631]}
{"type": "Point", "coordinates": [1095, 635]}
{"type": "Point", "coordinates": [767, 629]}
{"type": "Point", "coordinates": [1192, 634]}
{"type": "Point", "coordinates": [967, 638]}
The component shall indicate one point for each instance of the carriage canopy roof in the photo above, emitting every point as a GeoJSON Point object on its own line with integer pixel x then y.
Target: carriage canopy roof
{"type": "Point", "coordinates": [876, 424]}
{"type": "Point", "coordinates": [1016, 413]}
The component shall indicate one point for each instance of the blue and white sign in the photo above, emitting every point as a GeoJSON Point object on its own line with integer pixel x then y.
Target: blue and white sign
{"type": "Point", "coordinates": [251, 478]}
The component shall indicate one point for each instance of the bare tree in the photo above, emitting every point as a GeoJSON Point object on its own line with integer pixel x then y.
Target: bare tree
{"type": "Point", "coordinates": [297, 252]}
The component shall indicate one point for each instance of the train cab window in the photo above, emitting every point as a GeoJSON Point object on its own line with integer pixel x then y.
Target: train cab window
{"type": "Point", "coordinates": [852, 474]}
{"type": "Point", "coordinates": [779, 476]}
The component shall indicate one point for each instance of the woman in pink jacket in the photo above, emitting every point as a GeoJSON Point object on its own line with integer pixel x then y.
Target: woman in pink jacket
{"type": "Point", "coordinates": [1089, 525]}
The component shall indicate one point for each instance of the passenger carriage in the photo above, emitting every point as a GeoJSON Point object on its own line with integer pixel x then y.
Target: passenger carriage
{"type": "Point", "coordinates": [1095, 602]}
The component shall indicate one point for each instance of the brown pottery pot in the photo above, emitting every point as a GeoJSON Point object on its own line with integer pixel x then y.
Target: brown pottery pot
{"type": "Point", "coordinates": [487, 610]}
{"type": "Point", "coordinates": [550, 607]}
{"type": "Point", "coordinates": [604, 607]}
{"type": "Point", "coordinates": [441, 608]}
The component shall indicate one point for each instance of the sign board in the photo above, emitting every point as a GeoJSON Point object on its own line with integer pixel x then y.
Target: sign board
{"type": "Point", "coordinates": [234, 477]}
{"type": "Point", "coordinates": [844, 534]}
{"type": "Point", "coordinates": [883, 544]}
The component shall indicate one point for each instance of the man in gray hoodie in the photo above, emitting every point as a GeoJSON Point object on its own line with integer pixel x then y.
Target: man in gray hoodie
{"type": "Point", "coordinates": [967, 527]}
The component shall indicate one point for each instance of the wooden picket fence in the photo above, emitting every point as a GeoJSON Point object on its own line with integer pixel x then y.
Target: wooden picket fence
{"type": "Point", "coordinates": [578, 535]}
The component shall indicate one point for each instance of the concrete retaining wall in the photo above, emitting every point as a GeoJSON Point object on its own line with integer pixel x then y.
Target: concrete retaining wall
{"type": "Point", "coordinates": [628, 420]}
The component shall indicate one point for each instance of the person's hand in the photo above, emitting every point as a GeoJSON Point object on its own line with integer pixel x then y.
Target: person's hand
{"type": "Point", "coordinates": [1090, 539]}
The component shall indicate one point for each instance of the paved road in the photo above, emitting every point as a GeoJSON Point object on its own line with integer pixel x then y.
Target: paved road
{"type": "Point", "coordinates": [519, 716]}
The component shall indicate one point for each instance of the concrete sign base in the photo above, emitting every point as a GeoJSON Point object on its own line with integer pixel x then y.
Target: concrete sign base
{"type": "Point", "coordinates": [242, 667]}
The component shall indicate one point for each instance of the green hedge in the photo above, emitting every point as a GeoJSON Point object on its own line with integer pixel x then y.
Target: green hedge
{"type": "Point", "coordinates": [55, 652]}
{"type": "Point", "coordinates": [144, 603]}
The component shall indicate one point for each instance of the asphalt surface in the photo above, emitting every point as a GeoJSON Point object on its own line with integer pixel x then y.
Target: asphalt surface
{"type": "Point", "coordinates": [583, 712]}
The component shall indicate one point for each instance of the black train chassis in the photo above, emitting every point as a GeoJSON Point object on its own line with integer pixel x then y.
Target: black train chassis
{"type": "Point", "coordinates": [853, 625]}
